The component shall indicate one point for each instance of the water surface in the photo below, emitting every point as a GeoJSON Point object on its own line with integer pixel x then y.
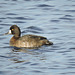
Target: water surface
{"type": "Point", "coordinates": [54, 19]}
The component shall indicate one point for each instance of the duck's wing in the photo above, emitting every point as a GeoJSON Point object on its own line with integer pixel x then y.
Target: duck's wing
{"type": "Point", "coordinates": [37, 37]}
{"type": "Point", "coordinates": [34, 41]}
{"type": "Point", "coordinates": [32, 38]}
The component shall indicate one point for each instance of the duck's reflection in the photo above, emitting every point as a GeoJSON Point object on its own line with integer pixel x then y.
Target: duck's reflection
{"type": "Point", "coordinates": [25, 50]}
{"type": "Point", "coordinates": [19, 55]}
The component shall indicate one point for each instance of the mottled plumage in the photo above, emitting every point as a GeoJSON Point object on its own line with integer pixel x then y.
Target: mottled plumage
{"type": "Point", "coordinates": [26, 40]}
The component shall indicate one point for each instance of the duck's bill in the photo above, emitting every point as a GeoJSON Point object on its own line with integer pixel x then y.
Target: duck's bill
{"type": "Point", "coordinates": [9, 32]}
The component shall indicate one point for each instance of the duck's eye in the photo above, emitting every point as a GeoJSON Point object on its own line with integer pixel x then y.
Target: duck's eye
{"type": "Point", "coordinates": [12, 29]}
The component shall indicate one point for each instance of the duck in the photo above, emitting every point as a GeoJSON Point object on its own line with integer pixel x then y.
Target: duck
{"type": "Point", "coordinates": [28, 40]}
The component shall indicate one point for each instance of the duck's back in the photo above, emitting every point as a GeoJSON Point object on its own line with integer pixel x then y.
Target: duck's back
{"type": "Point", "coordinates": [32, 41]}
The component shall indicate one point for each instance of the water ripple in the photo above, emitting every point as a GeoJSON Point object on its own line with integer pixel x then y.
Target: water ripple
{"type": "Point", "coordinates": [44, 5]}
{"type": "Point", "coordinates": [55, 21]}
{"type": "Point", "coordinates": [20, 18]}
{"type": "Point", "coordinates": [11, 14]}
{"type": "Point", "coordinates": [2, 18]}
{"type": "Point", "coordinates": [70, 11]}
{"type": "Point", "coordinates": [35, 28]}
{"type": "Point", "coordinates": [19, 22]}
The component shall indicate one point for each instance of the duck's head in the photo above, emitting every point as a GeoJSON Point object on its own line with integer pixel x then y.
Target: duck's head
{"type": "Point", "coordinates": [14, 30]}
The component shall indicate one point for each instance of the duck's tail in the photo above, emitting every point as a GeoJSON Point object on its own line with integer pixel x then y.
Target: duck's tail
{"type": "Point", "coordinates": [49, 42]}
{"type": "Point", "coordinates": [46, 42]}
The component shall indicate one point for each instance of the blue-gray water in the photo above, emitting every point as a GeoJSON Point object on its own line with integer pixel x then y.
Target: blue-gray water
{"type": "Point", "coordinates": [54, 19]}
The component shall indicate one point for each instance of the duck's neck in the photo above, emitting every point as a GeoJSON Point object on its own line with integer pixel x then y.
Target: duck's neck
{"type": "Point", "coordinates": [13, 40]}
{"type": "Point", "coordinates": [16, 37]}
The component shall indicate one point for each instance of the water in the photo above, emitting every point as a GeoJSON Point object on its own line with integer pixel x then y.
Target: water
{"type": "Point", "coordinates": [54, 19]}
